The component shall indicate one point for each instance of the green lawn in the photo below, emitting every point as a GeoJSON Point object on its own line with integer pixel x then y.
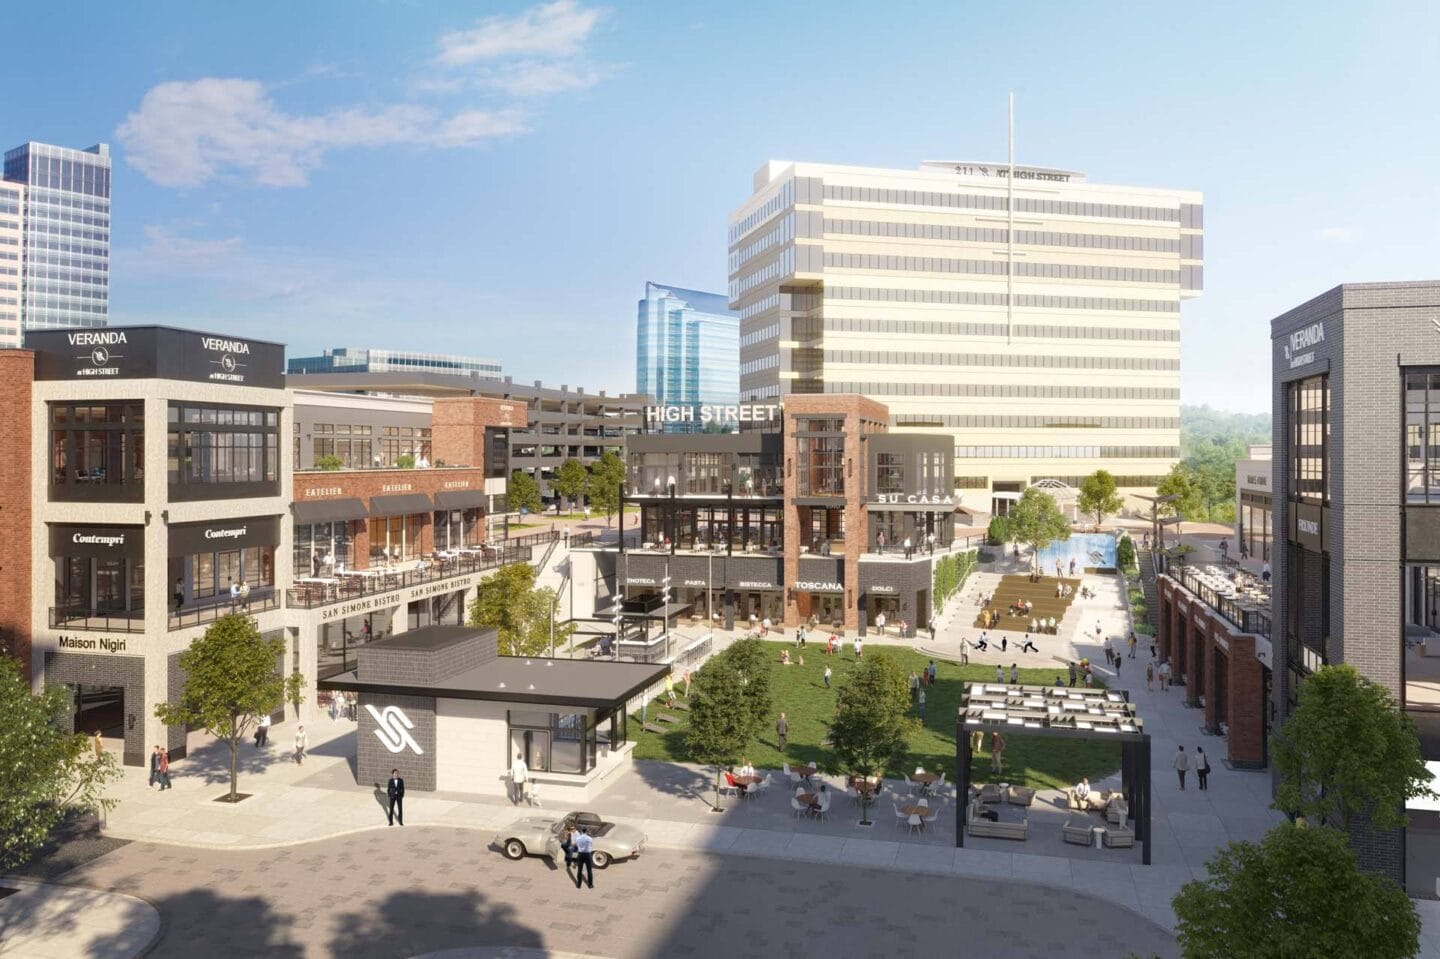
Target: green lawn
{"type": "Point", "coordinates": [800, 691]}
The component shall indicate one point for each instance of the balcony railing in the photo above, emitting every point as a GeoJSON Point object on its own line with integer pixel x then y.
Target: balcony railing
{"type": "Point", "coordinates": [356, 583]}
{"type": "Point", "coordinates": [1243, 613]}
{"type": "Point", "coordinates": [207, 611]}
{"type": "Point", "coordinates": [111, 621]}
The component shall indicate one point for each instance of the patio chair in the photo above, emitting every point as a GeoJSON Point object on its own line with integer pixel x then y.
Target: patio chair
{"type": "Point", "coordinates": [900, 817]}
{"type": "Point", "coordinates": [1077, 830]}
{"type": "Point", "coordinates": [764, 785]}
{"type": "Point", "coordinates": [798, 807]}
{"type": "Point", "coordinates": [1117, 811]}
{"type": "Point", "coordinates": [730, 787]}
{"type": "Point", "coordinates": [793, 776]}
{"type": "Point", "coordinates": [909, 784]}
{"type": "Point", "coordinates": [1117, 838]}
{"type": "Point", "coordinates": [824, 806]}
{"type": "Point", "coordinates": [914, 822]}
{"type": "Point", "coordinates": [930, 819]}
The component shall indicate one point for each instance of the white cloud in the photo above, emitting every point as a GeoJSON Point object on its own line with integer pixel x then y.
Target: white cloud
{"type": "Point", "coordinates": [164, 245]}
{"type": "Point", "coordinates": [551, 30]}
{"type": "Point", "coordinates": [542, 79]}
{"type": "Point", "coordinates": [186, 133]}
{"type": "Point", "coordinates": [1336, 234]}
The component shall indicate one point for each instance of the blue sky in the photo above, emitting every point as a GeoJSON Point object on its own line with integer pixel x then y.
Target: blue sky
{"type": "Point", "coordinates": [502, 178]}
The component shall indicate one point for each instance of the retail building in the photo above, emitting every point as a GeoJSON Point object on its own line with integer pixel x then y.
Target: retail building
{"type": "Point", "coordinates": [1254, 529]}
{"type": "Point", "coordinates": [805, 516]}
{"type": "Point", "coordinates": [687, 352]}
{"type": "Point", "coordinates": [1356, 502]}
{"type": "Point", "coordinates": [1041, 335]}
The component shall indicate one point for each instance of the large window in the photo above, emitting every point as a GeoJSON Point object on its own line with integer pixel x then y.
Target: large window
{"type": "Point", "coordinates": [889, 473]}
{"type": "Point", "coordinates": [821, 470]}
{"type": "Point", "coordinates": [352, 444]}
{"type": "Point", "coordinates": [321, 548]}
{"type": "Point", "coordinates": [97, 451]}
{"type": "Point", "coordinates": [398, 441]}
{"type": "Point", "coordinates": [394, 538]}
{"type": "Point", "coordinates": [554, 742]}
{"type": "Point", "coordinates": [1310, 439]}
{"type": "Point", "coordinates": [339, 640]}
{"type": "Point", "coordinates": [455, 528]}
{"type": "Point", "coordinates": [211, 574]}
{"type": "Point", "coordinates": [215, 449]}
{"type": "Point", "coordinates": [1422, 437]}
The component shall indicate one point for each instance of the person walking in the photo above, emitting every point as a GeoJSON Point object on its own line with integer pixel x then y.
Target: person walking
{"type": "Point", "coordinates": [859, 648]}
{"type": "Point", "coordinates": [782, 731]}
{"type": "Point", "coordinates": [97, 746]}
{"type": "Point", "coordinates": [155, 765]}
{"type": "Point", "coordinates": [1004, 642]}
{"type": "Point", "coordinates": [997, 752]}
{"type": "Point", "coordinates": [1181, 763]}
{"type": "Point", "coordinates": [164, 769]}
{"type": "Point", "coordinates": [1265, 572]}
{"type": "Point", "coordinates": [1150, 677]}
{"type": "Point", "coordinates": [395, 790]}
{"type": "Point", "coordinates": [999, 673]}
{"type": "Point", "coordinates": [931, 669]}
{"type": "Point", "coordinates": [519, 777]}
{"type": "Point", "coordinates": [1133, 643]}
{"type": "Point", "coordinates": [880, 542]}
{"type": "Point", "coordinates": [909, 548]}
{"type": "Point", "coordinates": [827, 677]}
{"type": "Point", "coordinates": [1202, 768]}
{"type": "Point", "coordinates": [921, 693]}
{"type": "Point", "coordinates": [880, 623]}
{"type": "Point", "coordinates": [584, 859]}
{"type": "Point", "coordinates": [262, 732]}
{"type": "Point", "coordinates": [1014, 674]}
{"type": "Point", "coordinates": [1028, 646]}
{"type": "Point", "coordinates": [1072, 673]}
{"type": "Point", "coordinates": [300, 743]}
{"type": "Point", "coordinates": [914, 685]}
{"type": "Point", "coordinates": [245, 595]}
{"type": "Point", "coordinates": [234, 595]}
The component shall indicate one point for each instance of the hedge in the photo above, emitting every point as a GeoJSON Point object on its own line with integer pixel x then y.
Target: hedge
{"type": "Point", "coordinates": [951, 571]}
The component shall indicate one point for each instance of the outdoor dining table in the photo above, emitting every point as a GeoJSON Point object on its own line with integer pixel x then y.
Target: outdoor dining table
{"type": "Point", "coordinates": [926, 780]}
{"type": "Point", "coordinates": [915, 809]}
{"type": "Point", "coordinates": [745, 782]}
{"type": "Point", "coordinates": [808, 799]}
{"type": "Point", "coordinates": [804, 772]}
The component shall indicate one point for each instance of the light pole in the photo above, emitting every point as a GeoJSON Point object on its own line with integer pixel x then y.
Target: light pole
{"type": "Point", "coordinates": [665, 605]}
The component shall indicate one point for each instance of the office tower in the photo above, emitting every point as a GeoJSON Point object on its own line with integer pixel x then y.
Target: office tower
{"type": "Point", "coordinates": [65, 265]}
{"type": "Point", "coordinates": [1045, 341]}
{"type": "Point", "coordinates": [12, 245]}
{"type": "Point", "coordinates": [687, 351]}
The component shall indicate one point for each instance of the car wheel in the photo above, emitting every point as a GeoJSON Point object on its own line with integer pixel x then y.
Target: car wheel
{"type": "Point", "coordinates": [600, 859]}
{"type": "Point", "coordinates": [514, 849]}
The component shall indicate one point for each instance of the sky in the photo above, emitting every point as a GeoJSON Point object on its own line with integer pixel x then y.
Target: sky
{"type": "Point", "coordinates": [501, 179]}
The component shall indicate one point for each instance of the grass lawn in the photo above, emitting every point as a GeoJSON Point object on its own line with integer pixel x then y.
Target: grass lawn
{"type": "Point", "coordinates": [800, 691]}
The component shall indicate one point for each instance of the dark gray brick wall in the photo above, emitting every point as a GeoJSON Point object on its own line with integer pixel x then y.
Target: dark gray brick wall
{"type": "Point", "coordinates": [374, 760]}
{"type": "Point", "coordinates": [96, 670]}
{"type": "Point", "coordinates": [174, 687]}
{"type": "Point", "coordinates": [424, 667]}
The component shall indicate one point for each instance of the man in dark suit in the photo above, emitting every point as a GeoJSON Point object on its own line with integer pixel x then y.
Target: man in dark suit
{"type": "Point", "coordinates": [396, 791]}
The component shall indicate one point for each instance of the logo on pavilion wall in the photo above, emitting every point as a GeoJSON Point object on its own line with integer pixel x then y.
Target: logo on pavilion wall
{"type": "Point", "coordinates": [393, 729]}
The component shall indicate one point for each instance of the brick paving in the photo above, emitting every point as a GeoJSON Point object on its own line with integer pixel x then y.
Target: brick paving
{"type": "Point", "coordinates": [405, 892]}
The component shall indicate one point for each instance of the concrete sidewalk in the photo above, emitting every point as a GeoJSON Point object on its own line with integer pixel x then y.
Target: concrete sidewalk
{"type": "Point", "coordinates": [49, 921]}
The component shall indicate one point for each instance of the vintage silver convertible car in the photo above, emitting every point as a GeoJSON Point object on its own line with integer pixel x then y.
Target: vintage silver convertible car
{"type": "Point", "coordinates": [540, 836]}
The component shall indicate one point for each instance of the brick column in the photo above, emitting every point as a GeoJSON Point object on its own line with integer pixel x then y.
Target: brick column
{"type": "Point", "coordinates": [1211, 654]}
{"type": "Point", "coordinates": [1195, 656]}
{"type": "Point", "coordinates": [1245, 705]}
{"type": "Point", "coordinates": [17, 374]}
{"type": "Point", "coordinates": [1165, 627]}
{"type": "Point", "coordinates": [360, 545]}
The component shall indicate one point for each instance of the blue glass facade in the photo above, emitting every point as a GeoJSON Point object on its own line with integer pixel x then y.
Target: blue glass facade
{"type": "Point", "coordinates": [687, 350]}
{"type": "Point", "coordinates": [65, 278]}
{"type": "Point", "coordinates": [352, 360]}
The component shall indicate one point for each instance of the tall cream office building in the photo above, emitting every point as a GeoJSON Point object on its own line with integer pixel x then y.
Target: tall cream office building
{"type": "Point", "coordinates": [1045, 340]}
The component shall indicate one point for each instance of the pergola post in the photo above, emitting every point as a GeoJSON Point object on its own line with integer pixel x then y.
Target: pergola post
{"type": "Point", "coordinates": [962, 779]}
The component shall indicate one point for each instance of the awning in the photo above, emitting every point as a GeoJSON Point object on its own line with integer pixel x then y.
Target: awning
{"type": "Point", "coordinates": [460, 499]}
{"type": "Point", "coordinates": [401, 505]}
{"type": "Point", "coordinates": [329, 511]}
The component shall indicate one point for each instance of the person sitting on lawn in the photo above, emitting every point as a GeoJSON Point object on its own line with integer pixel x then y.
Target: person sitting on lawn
{"type": "Point", "coordinates": [784, 657]}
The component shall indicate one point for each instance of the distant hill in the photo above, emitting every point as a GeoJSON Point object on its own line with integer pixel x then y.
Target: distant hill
{"type": "Point", "coordinates": [1211, 441]}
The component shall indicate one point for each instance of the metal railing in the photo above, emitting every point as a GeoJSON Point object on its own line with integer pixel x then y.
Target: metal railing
{"type": "Point", "coordinates": [261, 598]}
{"type": "Point", "coordinates": [112, 621]}
{"type": "Point", "coordinates": [351, 587]}
{"type": "Point", "coordinates": [1247, 620]}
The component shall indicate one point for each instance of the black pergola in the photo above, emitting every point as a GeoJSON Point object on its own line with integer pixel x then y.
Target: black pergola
{"type": "Point", "coordinates": [1057, 712]}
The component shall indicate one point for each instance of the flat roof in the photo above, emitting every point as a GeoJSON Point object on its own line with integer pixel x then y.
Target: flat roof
{"type": "Point", "coordinates": [429, 638]}
{"type": "Point", "coordinates": [587, 683]}
{"type": "Point", "coordinates": [1061, 711]}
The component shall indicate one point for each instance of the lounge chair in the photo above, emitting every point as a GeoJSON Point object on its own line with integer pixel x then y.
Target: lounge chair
{"type": "Point", "coordinates": [1078, 830]}
{"type": "Point", "coordinates": [1115, 837]}
{"type": "Point", "coordinates": [1020, 795]}
{"type": "Point", "coordinates": [989, 793]}
{"type": "Point", "coordinates": [1003, 829]}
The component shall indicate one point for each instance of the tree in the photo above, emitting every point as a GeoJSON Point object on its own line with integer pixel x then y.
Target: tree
{"type": "Point", "coordinates": [1347, 751]}
{"type": "Point", "coordinates": [729, 706]}
{"type": "Point", "coordinates": [571, 480]}
{"type": "Point", "coordinates": [48, 772]}
{"type": "Point", "coordinates": [405, 461]}
{"type": "Point", "coordinates": [232, 678]}
{"type": "Point", "coordinates": [1098, 496]}
{"type": "Point", "coordinates": [508, 602]}
{"type": "Point", "coordinates": [998, 533]}
{"type": "Point", "coordinates": [329, 462]}
{"type": "Point", "coordinates": [872, 727]}
{"type": "Point", "coordinates": [1190, 497]}
{"type": "Point", "coordinates": [523, 493]}
{"type": "Point", "coordinates": [1296, 893]}
{"type": "Point", "coordinates": [603, 489]}
{"type": "Point", "coordinates": [1125, 554]}
{"type": "Point", "coordinates": [1035, 520]}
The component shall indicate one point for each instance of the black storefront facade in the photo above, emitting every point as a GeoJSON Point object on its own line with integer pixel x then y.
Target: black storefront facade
{"type": "Point", "coordinates": [723, 589]}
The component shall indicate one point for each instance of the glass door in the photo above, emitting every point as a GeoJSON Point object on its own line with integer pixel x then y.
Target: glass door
{"type": "Point", "coordinates": [110, 585]}
{"type": "Point", "coordinates": [534, 745]}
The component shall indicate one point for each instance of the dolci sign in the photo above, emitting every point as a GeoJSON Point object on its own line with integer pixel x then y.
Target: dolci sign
{"type": "Point", "coordinates": [713, 414]}
{"type": "Point", "coordinates": [156, 352]}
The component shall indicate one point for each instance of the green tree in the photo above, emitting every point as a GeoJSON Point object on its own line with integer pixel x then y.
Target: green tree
{"type": "Point", "coordinates": [508, 602]}
{"type": "Point", "coordinates": [48, 771]}
{"type": "Point", "coordinates": [232, 677]}
{"type": "Point", "coordinates": [1346, 751]}
{"type": "Point", "coordinates": [603, 489]}
{"type": "Point", "coordinates": [571, 480]}
{"type": "Point", "coordinates": [405, 461]}
{"type": "Point", "coordinates": [329, 462]}
{"type": "Point", "coordinates": [872, 727]}
{"type": "Point", "coordinates": [1125, 554]}
{"type": "Point", "coordinates": [729, 706]}
{"type": "Point", "coordinates": [523, 492]}
{"type": "Point", "coordinates": [1098, 495]}
{"type": "Point", "coordinates": [1035, 520]}
{"type": "Point", "coordinates": [1190, 497]}
{"type": "Point", "coordinates": [1296, 893]}
{"type": "Point", "coordinates": [998, 533]}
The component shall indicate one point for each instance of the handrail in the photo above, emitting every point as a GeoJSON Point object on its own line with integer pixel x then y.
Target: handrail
{"type": "Point", "coordinates": [1246, 620]}
{"type": "Point", "coordinates": [261, 598]}
{"type": "Point", "coordinates": [71, 616]}
{"type": "Point", "coordinates": [309, 597]}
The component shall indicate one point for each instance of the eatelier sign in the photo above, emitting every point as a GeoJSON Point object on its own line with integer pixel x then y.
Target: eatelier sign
{"type": "Point", "coordinates": [156, 352]}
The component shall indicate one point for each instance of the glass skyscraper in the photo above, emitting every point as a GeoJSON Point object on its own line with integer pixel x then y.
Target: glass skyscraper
{"type": "Point", "coordinates": [65, 246]}
{"type": "Point", "coordinates": [687, 350]}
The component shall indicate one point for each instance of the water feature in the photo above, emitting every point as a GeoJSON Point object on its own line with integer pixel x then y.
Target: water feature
{"type": "Point", "coordinates": [1095, 550]}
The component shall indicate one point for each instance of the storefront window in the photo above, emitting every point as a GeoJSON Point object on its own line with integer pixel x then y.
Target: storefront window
{"type": "Point", "coordinates": [821, 466]}
{"type": "Point", "coordinates": [97, 451]}
{"type": "Point", "coordinates": [553, 742]}
{"type": "Point", "coordinates": [889, 473]}
{"type": "Point", "coordinates": [1422, 437]}
{"type": "Point", "coordinates": [212, 573]}
{"type": "Point", "coordinates": [455, 528]}
{"type": "Point", "coordinates": [1309, 429]}
{"type": "Point", "coordinates": [394, 538]}
{"type": "Point", "coordinates": [221, 446]}
{"type": "Point", "coordinates": [339, 640]}
{"type": "Point", "coordinates": [322, 548]}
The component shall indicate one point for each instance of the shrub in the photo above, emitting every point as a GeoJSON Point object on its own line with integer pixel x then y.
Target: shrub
{"type": "Point", "coordinates": [999, 531]}
{"type": "Point", "coordinates": [329, 462]}
{"type": "Point", "coordinates": [1144, 629]}
{"type": "Point", "coordinates": [1125, 553]}
{"type": "Point", "coordinates": [405, 461]}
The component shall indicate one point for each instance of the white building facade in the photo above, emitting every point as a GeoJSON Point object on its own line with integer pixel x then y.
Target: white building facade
{"type": "Point", "coordinates": [1045, 340]}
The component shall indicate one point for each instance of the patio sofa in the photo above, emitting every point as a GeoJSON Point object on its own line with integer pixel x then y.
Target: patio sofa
{"type": "Point", "coordinates": [1007, 827]}
{"type": "Point", "coordinates": [1078, 829]}
{"type": "Point", "coordinates": [1098, 800]}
